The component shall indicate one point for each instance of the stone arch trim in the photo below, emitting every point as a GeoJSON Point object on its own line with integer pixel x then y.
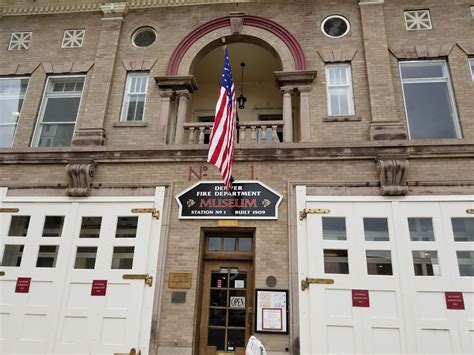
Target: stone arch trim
{"type": "Point", "coordinates": [251, 21]}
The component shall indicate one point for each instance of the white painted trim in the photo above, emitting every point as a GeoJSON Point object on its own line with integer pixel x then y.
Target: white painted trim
{"type": "Point", "coordinates": [430, 198]}
{"type": "Point", "coordinates": [105, 199]}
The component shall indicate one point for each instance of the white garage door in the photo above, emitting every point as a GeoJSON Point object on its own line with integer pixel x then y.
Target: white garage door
{"type": "Point", "coordinates": [62, 271]}
{"type": "Point", "coordinates": [401, 270]}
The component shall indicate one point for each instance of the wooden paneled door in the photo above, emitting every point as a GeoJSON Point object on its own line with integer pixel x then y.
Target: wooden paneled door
{"type": "Point", "coordinates": [226, 314]}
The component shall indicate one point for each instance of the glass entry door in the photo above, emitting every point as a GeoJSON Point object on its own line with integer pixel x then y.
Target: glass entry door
{"type": "Point", "coordinates": [226, 318]}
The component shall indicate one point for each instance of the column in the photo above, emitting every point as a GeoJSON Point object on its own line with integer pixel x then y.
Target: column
{"type": "Point", "coordinates": [305, 114]}
{"type": "Point", "coordinates": [287, 114]}
{"type": "Point", "coordinates": [166, 96]}
{"type": "Point", "coordinates": [183, 99]}
{"type": "Point", "coordinates": [385, 124]}
{"type": "Point", "coordinates": [91, 125]}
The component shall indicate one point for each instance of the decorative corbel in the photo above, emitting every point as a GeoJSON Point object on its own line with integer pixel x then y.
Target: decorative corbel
{"type": "Point", "coordinates": [393, 170]}
{"type": "Point", "coordinates": [79, 177]}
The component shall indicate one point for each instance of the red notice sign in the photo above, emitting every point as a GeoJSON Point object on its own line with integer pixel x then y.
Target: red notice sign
{"type": "Point", "coordinates": [99, 287]}
{"type": "Point", "coordinates": [360, 298]}
{"type": "Point", "coordinates": [23, 285]}
{"type": "Point", "coordinates": [454, 300]}
{"type": "Point", "coordinates": [219, 283]}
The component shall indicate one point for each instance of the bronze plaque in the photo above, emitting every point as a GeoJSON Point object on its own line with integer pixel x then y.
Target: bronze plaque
{"type": "Point", "coordinates": [180, 280]}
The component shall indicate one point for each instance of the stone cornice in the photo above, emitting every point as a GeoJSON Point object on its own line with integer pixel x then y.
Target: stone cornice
{"type": "Point", "coordinates": [70, 6]}
{"type": "Point", "coordinates": [250, 152]}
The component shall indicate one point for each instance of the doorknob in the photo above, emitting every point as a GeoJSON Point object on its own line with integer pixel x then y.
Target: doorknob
{"type": "Point", "coordinates": [147, 278]}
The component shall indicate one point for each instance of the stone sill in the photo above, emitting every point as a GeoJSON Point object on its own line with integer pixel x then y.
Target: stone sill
{"type": "Point", "coordinates": [130, 124]}
{"type": "Point", "coordinates": [353, 118]}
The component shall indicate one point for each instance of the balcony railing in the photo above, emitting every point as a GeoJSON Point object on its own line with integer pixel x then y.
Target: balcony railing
{"type": "Point", "coordinates": [249, 132]}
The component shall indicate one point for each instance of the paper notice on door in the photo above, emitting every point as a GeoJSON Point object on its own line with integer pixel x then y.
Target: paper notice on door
{"type": "Point", "coordinates": [239, 284]}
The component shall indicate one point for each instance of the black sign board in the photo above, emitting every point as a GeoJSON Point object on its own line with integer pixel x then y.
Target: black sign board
{"type": "Point", "coordinates": [211, 200]}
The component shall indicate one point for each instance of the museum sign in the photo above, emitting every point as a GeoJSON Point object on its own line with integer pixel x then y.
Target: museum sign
{"type": "Point", "coordinates": [211, 200]}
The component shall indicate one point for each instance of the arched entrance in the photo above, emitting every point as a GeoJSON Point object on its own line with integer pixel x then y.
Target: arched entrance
{"type": "Point", "coordinates": [271, 55]}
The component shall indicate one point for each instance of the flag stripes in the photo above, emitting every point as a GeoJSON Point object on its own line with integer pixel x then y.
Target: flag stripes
{"type": "Point", "coordinates": [221, 144]}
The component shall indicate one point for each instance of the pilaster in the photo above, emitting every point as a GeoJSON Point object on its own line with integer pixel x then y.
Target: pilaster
{"type": "Point", "coordinates": [91, 130]}
{"type": "Point", "coordinates": [382, 96]}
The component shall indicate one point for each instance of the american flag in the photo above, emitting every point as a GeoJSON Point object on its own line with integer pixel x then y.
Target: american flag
{"type": "Point", "coordinates": [221, 144]}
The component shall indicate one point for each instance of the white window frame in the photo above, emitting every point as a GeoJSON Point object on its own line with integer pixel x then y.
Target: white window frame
{"type": "Point", "coordinates": [47, 95]}
{"type": "Point", "coordinates": [446, 78]}
{"type": "Point", "coordinates": [348, 87]}
{"type": "Point", "coordinates": [471, 66]}
{"type": "Point", "coordinates": [127, 93]}
{"type": "Point", "coordinates": [22, 96]}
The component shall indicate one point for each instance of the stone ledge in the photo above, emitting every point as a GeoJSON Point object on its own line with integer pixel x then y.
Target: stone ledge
{"type": "Point", "coordinates": [130, 124]}
{"type": "Point", "coordinates": [421, 51]}
{"type": "Point", "coordinates": [353, 118]}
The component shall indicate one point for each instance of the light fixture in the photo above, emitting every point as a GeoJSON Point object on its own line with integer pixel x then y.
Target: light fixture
{"type": "Point", "coordinates": [242, 99]}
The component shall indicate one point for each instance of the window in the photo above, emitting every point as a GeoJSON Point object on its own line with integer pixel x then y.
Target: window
{"type": "Point", "coordinates": [471, 64]}
{"type": "Point", "coordinates": [335, 26]}
{"type": "Point", "coordinates": [20, 41]}
{"type": "Point", "coordinates": [12, 94]}
{"type": "Point", "coordinates": [429, 100]}
{"type": "Point", "coordinates": [144, 37]}
{"type": "Point", "coordinates": [59, 112]}
{"type": "Point", "coordinates": [73, 38]}
{"type": "Point", "coordinates": [339, 90]}
{"type": "Point", "coordinates": [134, 99]}
{"type": "Point", "coordinates": [418, 20]}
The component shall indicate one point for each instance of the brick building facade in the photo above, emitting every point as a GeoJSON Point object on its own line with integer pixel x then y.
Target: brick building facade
{"type": "Point", "coordinates": [359, 113]}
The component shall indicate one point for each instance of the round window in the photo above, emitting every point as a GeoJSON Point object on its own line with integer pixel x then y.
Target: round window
{"type": "Point", "coordinates": [335, 26]}
{"type": "Point", "coordinates": [144, 37]}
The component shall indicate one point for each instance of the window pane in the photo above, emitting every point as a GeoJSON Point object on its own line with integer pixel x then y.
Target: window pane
{"type": "Point", "coordinates": [421, 229]}
{"type": "Point", "coordinates": [12, 255]}
{"type": "Point", "coordinates": [422, 70]}
{"type": "Point", "coordinates": [463, 229]}
{"type": "Point", "coordinates": [218, 298]}
{"type": "Point", "coordinates": [56, 135]}
{"type": "Point", "coordinates": [216, 337]}
{"type": "Point", "coordinates": [7, 133]}
{"type": "Point", "coordinates": [471, 61]}
{"type": "Point", "coordinates": [217, 316]}
{"type": "Point", "coordinates": [229, 244]}
{"type": "Point", "coordinates": [466, 263]}
{"type": "Point", "coordinates": [336, 261]}
{"type": "Point", "coordinates": [126, 227]}
{"type": "Point", "coordinates": [334, 228]}
{"type": "Point", "coordinates": [214, 244]}
{"type": "Point", "coordinates": [19, 226]}
{"type": "Point", "coordinates": [426, 263]}
{"type": "Point", "coordinates": [379, 262]}
{"type": "Point", "coordinates": [236, 338]}
{"type": "Point", "coordinates": [122, 258]}
{"type": "Point", "coordinates": [85, 258]}
{"type": "Point", "coordinates": [237, 318]}
{"type": "Point", "coordinates": [12, 93]}
{"type": "Point", "coordinates": [376, 230]}
{"type": "Point", "coordinates": [245, 244]}
{"type": "Point", "coordinates": [10, 108]}
{"type": "Point", "coordinates": [429, 110]}
{"type": "Point", "coordinates": [47, 256]}
{"type": "Point", "coordinates": [90, 227]}
{"type": "Point", "coordinates": [61, 109]}
{"type": "Point", "coordinates": [53, 226]}
{"type": "Point", "coordinates": [219, 279]}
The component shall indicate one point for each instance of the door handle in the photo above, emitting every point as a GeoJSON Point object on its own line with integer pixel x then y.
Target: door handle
{"type": "Point", "coordinates": [147, 278]}
{"type": "Point", "coordinates": [2, 273]}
